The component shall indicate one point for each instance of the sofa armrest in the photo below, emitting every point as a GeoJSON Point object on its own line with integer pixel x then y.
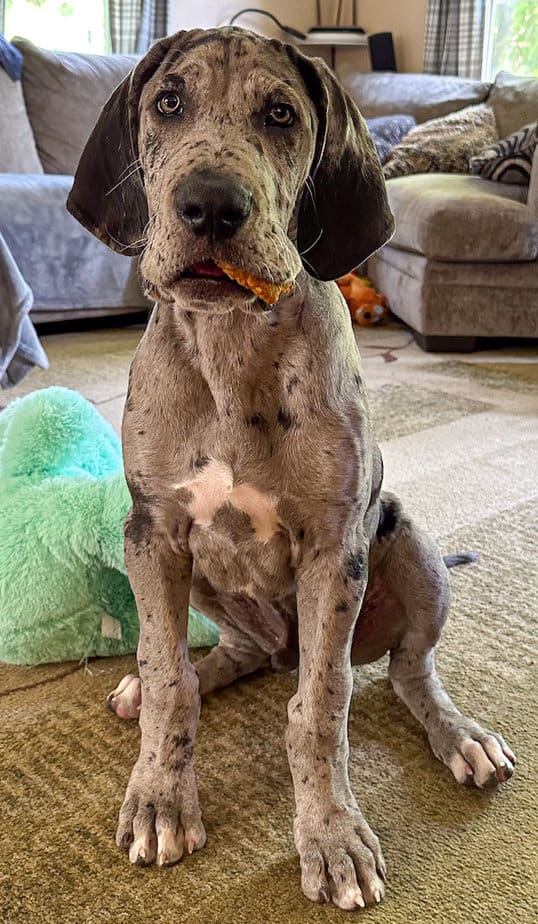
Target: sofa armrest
{"type": "Point", "coordinates": [532, 197]}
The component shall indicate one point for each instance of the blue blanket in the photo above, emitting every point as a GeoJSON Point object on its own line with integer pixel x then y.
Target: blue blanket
{"type": "Point", "coordinates": [10, 59]}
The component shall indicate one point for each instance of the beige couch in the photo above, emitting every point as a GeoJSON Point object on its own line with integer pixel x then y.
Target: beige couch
{"type": "Point", "coordinates": [463, 260]}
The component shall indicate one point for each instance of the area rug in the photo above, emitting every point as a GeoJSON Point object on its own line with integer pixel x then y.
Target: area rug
{"type": "Point", "coordinates": [459, 442]}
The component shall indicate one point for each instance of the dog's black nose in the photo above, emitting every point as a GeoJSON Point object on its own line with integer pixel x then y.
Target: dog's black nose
{"type": "Point", "coordinates": [211, 203]}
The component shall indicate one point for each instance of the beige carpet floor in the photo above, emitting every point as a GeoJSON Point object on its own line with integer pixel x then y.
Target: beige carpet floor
{"type": "Point", "coordinates": [459, 439]}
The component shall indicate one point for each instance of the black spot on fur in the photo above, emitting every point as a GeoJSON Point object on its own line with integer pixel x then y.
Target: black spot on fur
{"type": "Point", "coordinates": [139, 523]}
{"type": "Point", "coordinates": [292, 383]}
{"type": "Point", "coordinates": [201, 463]}
{"type": "Point", "coordinates": [285, 419]}
{"type": "Point", "coordinates": [259, 422]}
{"type": "Point", "coordinates": [300, 534]}
{"type": "Point", "coordinates": [341, 608]}
{"type": "Point", "coordinates": [182, 741]}
{"type": "Point", "coordinates": [388, 519]}
{"type": "Point", "coordinates": [355, 566]}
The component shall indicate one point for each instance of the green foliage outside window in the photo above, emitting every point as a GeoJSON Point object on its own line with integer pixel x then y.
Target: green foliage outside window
{"type": "Point", "coordinates": [513, 44]}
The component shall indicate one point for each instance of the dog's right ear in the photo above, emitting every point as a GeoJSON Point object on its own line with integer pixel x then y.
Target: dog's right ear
{"type": "Point", "coordinates": [108, 195]}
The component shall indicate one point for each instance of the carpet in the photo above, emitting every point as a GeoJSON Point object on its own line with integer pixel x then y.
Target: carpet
{"type": "Point", "coordinates": [459, 441]}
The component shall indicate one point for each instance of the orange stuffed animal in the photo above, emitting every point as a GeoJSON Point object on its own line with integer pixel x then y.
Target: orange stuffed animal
{"type": "Point", "coordinates": [367, 306]}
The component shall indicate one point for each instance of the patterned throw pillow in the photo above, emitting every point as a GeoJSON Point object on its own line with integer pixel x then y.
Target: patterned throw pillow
{"type": "Point", "coordinates": [444, 145]}
{"type": "Point", "coordinates": [387, 131]}
{"type": "Point", "coordinates": [510, 160]}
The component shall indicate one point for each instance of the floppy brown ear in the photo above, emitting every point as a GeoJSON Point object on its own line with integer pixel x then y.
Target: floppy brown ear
{"type": "Point", "coordinates": [108, 195]}
{"type": "Point", "coordinates": [344, 214]}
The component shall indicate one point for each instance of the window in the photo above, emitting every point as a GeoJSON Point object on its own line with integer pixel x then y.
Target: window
{"type": "Point", "coordinates": [511, 38]}
{"type": "Point", "coordinates": [61, 25]}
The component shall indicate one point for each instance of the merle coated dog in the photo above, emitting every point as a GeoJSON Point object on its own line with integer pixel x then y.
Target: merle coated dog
{"type": "Point", "coordinates": [255, 479]}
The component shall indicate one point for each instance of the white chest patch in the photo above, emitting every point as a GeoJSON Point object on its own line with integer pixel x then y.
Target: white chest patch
{"type": "Point", "coordinates": [213, 487]}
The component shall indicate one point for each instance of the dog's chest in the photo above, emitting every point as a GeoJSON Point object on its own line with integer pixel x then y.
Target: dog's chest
{"type": "Point", "coordinates": [237, 537]}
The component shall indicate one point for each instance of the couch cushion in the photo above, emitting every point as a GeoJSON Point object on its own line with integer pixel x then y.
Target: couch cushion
{"type": "Point", "coordinates": [64, 94]}
{"type": "Point", "coordinates": [444, 145]}
{"type": "Point", "coordinates": [424, 96]}
{"type": "Point", "coordinates": [462, 219]}
{"type": "Point", "coordinates": [18, 152]}
{"type": "Point", "coordinates": [510, 160]}
{"type": "Point", "coordinates": [64, 265]}
{"type": "Point", "coordinates": [387, 131]}
{"type": "Point", "coordinates": [514, 101]}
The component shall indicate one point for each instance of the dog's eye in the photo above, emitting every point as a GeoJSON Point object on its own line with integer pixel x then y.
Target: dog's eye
{"type": "Point", "coordinates": [280, 115]}
{"type": "Point", "coordinates": [169, 103]}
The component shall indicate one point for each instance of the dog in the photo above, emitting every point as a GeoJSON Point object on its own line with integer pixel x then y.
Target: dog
{"type": "Point", "coordinates": [254, 474]}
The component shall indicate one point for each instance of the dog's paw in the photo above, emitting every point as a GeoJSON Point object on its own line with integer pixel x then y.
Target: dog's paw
{"type": "Point", "coordinates": [160, 817]}
{"type": "Point", "coordinates": [475, 755]}
{"type": "Point", "coordinates": [341, 859]}
{"type": "Point", "coordinates": [125, 700]}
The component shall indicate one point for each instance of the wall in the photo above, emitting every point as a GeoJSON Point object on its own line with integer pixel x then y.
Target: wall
{"type": "Point", "coordinates": [404, 18]}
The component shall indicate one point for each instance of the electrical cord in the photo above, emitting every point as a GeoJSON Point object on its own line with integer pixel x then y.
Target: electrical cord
{"type": "Point", "coordinates": [288, 29]}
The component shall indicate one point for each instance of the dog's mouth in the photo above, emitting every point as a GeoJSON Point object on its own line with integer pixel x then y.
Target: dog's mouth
{"type": "Point", "coordinates": [205, 280]}
{"type": "Point", "coordinates": [213, 279]}
{"type": "Point", "coordinates": [205, 269]}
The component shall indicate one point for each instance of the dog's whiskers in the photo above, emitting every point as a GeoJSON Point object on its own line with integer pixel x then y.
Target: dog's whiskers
{"type": "Point", "coordinates": [141, 240]}
{"type": "Point", "coordinates": [309, 186]}
{"type": "Point", "coordinates": [124, 179]}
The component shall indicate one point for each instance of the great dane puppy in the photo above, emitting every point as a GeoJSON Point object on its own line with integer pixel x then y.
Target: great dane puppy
{"type": "Point", "coordinates": [254, 474]}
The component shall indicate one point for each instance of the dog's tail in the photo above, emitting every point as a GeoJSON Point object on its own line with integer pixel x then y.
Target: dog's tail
{"type": "Point", "coordinates": [459, 558]}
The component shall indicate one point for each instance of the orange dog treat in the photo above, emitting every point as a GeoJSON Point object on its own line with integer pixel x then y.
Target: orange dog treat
{"type": "Point", "coordinates": [269, 292]}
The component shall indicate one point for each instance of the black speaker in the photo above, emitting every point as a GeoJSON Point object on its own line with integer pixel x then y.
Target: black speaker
{"type": "Point", "coordinates": [382, 51]}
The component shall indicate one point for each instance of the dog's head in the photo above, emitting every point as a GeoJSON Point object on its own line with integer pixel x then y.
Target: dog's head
{"type": "Point", "coordinates": [222, 145]}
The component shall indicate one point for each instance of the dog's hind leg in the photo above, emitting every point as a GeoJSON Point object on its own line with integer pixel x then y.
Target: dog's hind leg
{"type": "Point", "coordinates": [236, 654]}
{"type": "Point", "coordinates": [414, 566]}
{"type": "Point", "coordinates": [234, 657]}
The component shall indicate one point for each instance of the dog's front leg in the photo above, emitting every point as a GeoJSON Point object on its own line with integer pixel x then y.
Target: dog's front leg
{"type": "Point", "coordinates": [160, 815]}
{"type": "Point", "coordinates": [340, 856]}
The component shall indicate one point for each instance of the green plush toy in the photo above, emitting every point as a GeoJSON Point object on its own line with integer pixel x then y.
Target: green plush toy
{"type": "Point", "coordinates": [64, 593]}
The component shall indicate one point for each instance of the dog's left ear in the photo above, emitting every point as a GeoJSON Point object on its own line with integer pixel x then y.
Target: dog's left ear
{"type": "Point", "coordinates": [344, 214]}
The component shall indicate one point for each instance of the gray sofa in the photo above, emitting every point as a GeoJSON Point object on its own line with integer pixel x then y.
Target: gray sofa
{"type": "Point", "coordinates": [67, 269]}
{"type": "Point", "coordinates": [463, 260]}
